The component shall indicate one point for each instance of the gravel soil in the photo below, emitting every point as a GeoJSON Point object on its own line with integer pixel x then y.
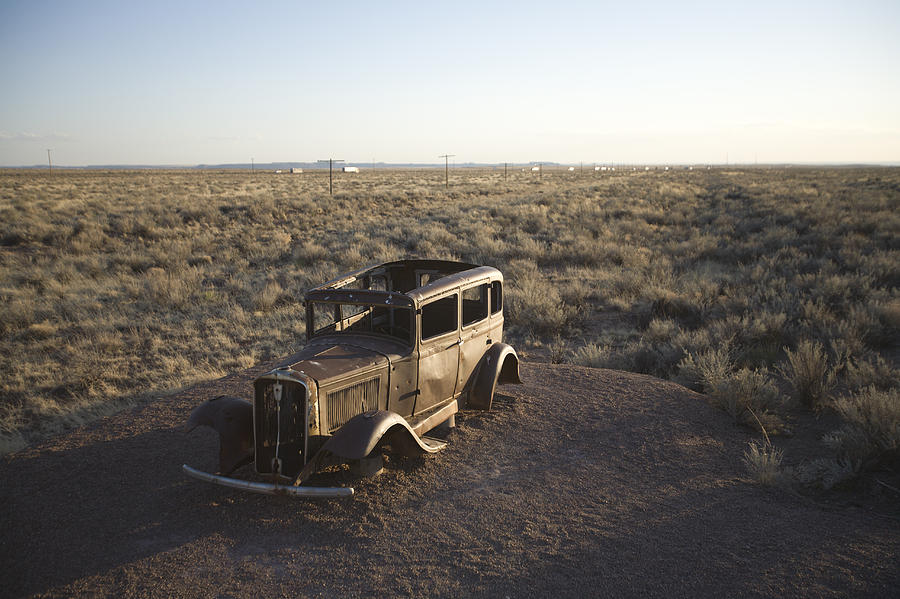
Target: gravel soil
{"type": "Point", "coordinates": [581, 482]}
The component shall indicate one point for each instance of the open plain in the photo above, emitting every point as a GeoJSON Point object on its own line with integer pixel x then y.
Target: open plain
{"type": "Point", "coordinates": [126, 296]}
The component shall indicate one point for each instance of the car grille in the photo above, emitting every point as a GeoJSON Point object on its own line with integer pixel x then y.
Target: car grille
{"type": "Point", "coordinates": [348, 402]}
{"type": "Point", "coordinates": [281, 423]}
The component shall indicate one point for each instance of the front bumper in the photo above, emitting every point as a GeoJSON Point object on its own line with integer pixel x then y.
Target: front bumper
{"type": "Point", "coordinates": [267, 488]}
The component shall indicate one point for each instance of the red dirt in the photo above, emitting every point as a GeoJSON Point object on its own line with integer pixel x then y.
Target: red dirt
{"type": "Point", "coordinates": [580, 482]}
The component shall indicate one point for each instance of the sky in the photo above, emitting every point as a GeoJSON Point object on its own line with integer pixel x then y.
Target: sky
{"type": "Point", "coordinates": [185, 83]}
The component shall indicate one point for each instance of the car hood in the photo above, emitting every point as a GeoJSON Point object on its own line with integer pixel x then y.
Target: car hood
{"type": "Point", "coordinates": [326, 362]}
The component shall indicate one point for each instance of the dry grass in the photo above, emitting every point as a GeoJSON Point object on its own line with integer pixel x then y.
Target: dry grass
{"type": "Point", "coordinates": [763, 462]}
{"type": "Point", "coordinates": [871, 430]}
{"type": "Point", "coordinates": [118, 286]}
{"type": "Point", "coordinates": [808, 374]}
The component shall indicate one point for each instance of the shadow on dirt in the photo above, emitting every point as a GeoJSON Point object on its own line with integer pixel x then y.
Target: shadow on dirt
{"type": "Point", "coordinates": [83, 511]}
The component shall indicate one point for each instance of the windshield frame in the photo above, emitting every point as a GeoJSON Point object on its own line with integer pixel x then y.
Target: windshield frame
{"type": "Point", "coordinates": [371, 313]}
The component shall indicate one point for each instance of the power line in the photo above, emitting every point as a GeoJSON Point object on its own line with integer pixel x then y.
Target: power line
{"type": "Point", "coordinates": [447, 158]}
{"type": "Point", "coordinates": [330, 162]}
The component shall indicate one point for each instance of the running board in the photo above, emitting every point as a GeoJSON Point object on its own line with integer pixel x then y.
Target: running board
{"type": "Point", "coordinates": [434, 444]}
{"type": "Point", "coordinates": [436, 418]}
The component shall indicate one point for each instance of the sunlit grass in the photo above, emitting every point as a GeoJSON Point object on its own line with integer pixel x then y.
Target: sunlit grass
{"type": "Point", "coordinates": [116, 286]}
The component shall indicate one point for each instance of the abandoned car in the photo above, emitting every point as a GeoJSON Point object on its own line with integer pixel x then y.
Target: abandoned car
{"type": "Point", "coordinates": [392, 351]}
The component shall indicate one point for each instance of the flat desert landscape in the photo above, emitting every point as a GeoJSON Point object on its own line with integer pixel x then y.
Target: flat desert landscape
{"type": "Point", "coordinates": [710, 402]}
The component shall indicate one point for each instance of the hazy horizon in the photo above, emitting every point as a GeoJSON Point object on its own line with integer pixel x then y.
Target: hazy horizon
{"type": "Point", "coordinates": [548, 164]}
{"type": "Point", "coordinates": [104, 83]}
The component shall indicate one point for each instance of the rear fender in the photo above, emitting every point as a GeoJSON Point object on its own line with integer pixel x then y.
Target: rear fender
{"type": "Point", "coordinates": [500, 364]}
{"type": "Point", "coordinates": [232, 418]}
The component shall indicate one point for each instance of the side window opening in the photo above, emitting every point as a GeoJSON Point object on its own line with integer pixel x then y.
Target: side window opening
{"type": "Point", "coordinates": [496, 296]}
{"type": "Point", "coordinates": [439, 316]}
{"type": "Point", "coordinates": [475, 304]}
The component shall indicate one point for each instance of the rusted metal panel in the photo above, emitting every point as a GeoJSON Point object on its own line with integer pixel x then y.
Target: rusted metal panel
{"type": "Point", "coordinates": [403, 389]}
{"type": "Point", "coordinates": [232, 418]}
{"type": "Point", "coordinates": [475, 333]}
{"type": "Point", "coordinates": [438, 364]}
{"type": "Point", "coordinates": [363, 433]}
{"type": "Point", "coordinates": [500, 364]}
{"type": "Point", "coordinates": [450, 282]}
{"type": "Point", "coordinates": [330, 362]}
{"type": "Point", "coordinates": [344, 404]}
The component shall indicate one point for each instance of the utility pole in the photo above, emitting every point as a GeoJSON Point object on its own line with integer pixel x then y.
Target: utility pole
{"type": "Point", "coordinates": [330, 162]}
{"type": "Point", "coordinates": [447, 158]}
{"type": "Point", "coordinates": [504, 171]}
{"type": "Point", "coordinates": [541, 171]}
{"type": "Point", "coordinates": [49, 163]}
{"type": "Point", "coordinates": [251, 165]}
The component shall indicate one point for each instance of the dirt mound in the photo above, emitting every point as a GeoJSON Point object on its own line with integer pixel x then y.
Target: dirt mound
{"type": "Point", "coordinates": [579, 482]}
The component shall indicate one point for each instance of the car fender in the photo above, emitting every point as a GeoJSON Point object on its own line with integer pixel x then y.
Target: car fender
{"type": "Point", "coordinates": [500, 364]}
{"type": "Point", "coordinates": [363, 433]}
{"type": "Point", "coordinates": [232, 418]}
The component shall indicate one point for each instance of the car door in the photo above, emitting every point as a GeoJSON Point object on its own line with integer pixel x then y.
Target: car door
{"type": "Point", "coordinates": [475, 330]}
{"type": "Point", "coordinates": [438, 351]}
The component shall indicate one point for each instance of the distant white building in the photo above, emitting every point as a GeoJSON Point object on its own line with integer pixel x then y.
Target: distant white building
{"type": "Point", "coordinates": [296, 170]}
{"type": "Point", "coordinates": [535, 169]}
{"type": "Point", "coordinates": [351, 169]}
{"type": "Point", "coordinates": [278, 171]}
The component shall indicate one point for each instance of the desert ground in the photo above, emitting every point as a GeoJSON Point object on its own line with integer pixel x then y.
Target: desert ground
{"type": "Point", "coordinates": [580, 482]}
{"type": "Point", "coordinates": [711, 401]}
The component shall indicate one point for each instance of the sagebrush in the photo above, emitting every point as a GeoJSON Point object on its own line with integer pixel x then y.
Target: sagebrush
{"type": "Point", "coordinates": [116, 286]}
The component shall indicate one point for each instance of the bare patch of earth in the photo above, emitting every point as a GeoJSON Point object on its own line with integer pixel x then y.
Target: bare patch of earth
{"type": "Point", "coordinates": [581, 482]}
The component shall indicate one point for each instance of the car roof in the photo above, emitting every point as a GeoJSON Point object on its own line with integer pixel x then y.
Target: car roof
{"type": "Point", "coordinates": [449, 275]}
{"type": "Point", "coordinates": [449, 282]}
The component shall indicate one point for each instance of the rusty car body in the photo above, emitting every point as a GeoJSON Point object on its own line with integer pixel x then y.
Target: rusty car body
{"type": "Point", "coordinates": [393, 350]}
